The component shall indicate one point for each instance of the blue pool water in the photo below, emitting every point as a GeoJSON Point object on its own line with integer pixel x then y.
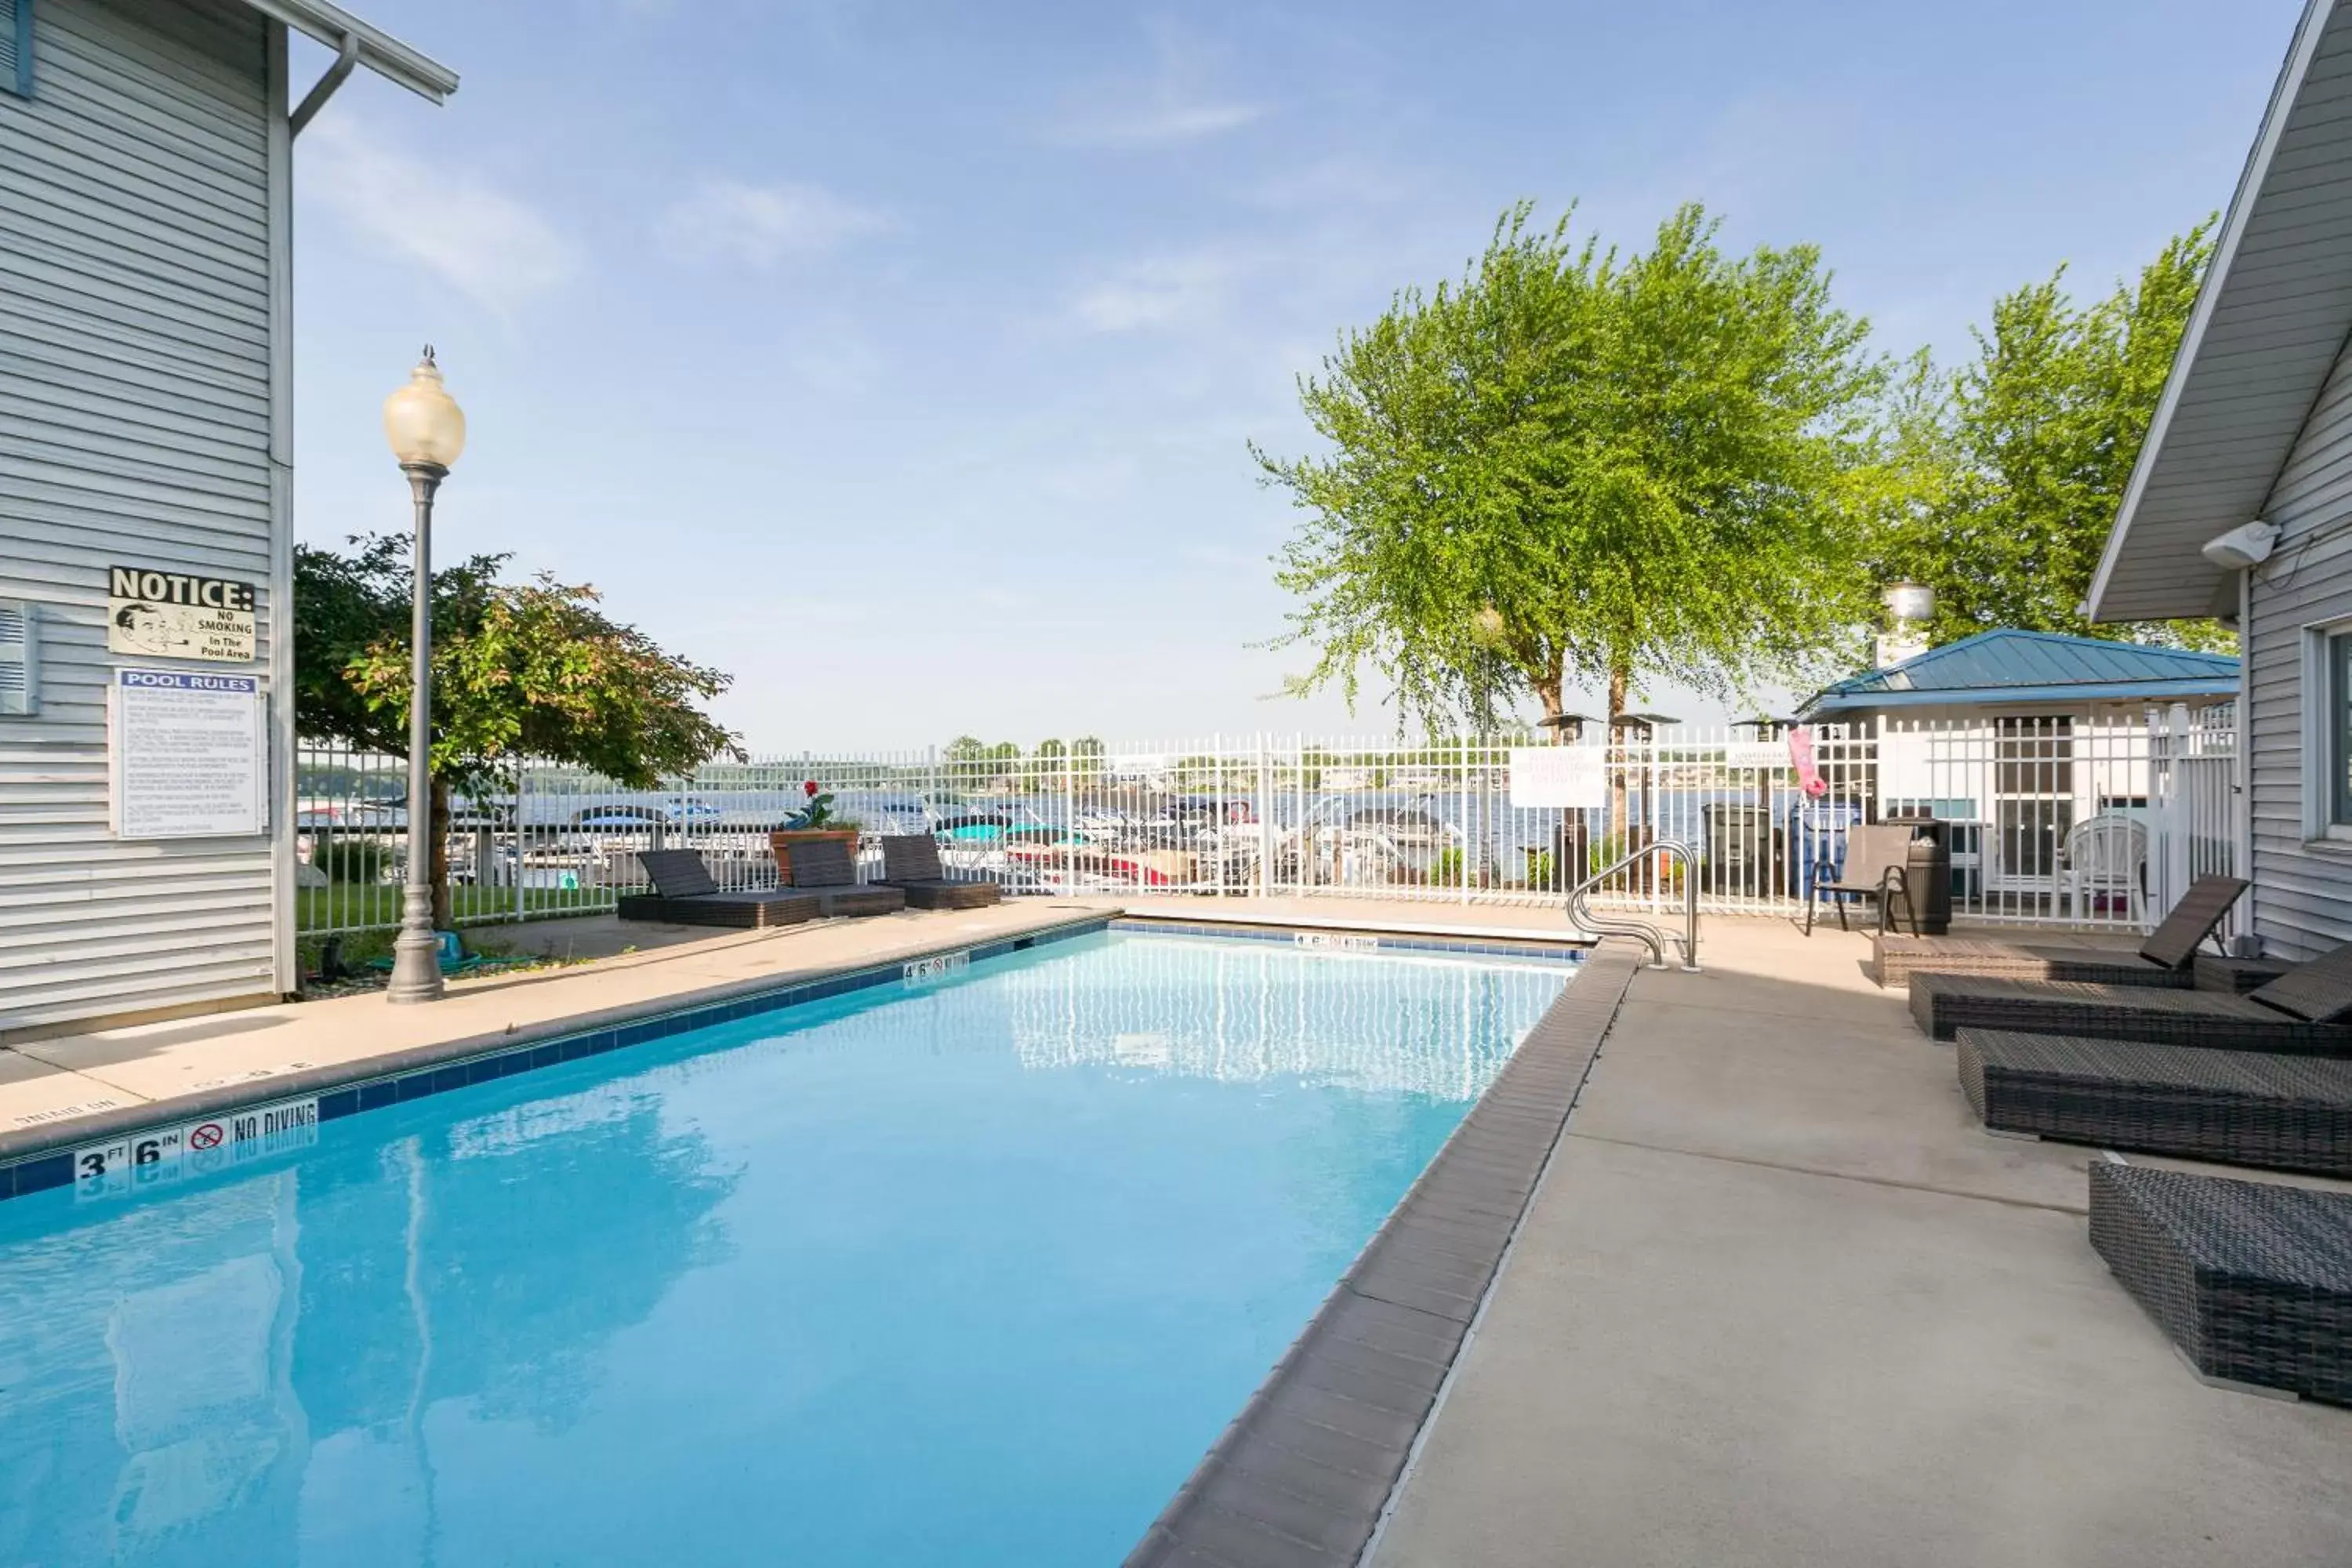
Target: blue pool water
{"type": "Point", "coordinates": [966, 1272]}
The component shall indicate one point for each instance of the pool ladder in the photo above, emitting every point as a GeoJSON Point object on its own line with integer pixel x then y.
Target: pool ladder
{"type": "Point", "coordinates": [1580, 915]}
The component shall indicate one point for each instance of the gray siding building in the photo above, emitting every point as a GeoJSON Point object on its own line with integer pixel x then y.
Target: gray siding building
{"type": "Point", "coordinates": [2242, 503]}
{"type": "Point", "coordinates": [145, 527]}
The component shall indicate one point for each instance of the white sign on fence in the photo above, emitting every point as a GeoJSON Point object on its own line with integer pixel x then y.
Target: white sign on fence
{"type": "Point", "coordinates": [1756, 754]}
{"type": "Point", "coordinates": [189, 754]}
{"type": "Point", "coordinates": [1568, 777]}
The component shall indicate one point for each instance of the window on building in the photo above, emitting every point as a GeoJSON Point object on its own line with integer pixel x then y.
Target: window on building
{"type": "Point", "coordinates": [2337, 730]}
{"type": "Point", "coordinates": [17, 48]}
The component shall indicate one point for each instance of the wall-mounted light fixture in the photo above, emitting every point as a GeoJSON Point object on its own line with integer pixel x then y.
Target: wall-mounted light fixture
{"type": "Point", "coordinates": [2248, 544]}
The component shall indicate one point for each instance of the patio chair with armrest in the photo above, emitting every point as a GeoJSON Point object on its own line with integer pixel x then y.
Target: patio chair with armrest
{"type": "Point", "coordinates": [2168, 956]}
{"type": "Point", "coordinates": [685, 894]}
{"type": "Point", "coordinates": [1876, 864]}
{"type": "Point", "coordinates": [2307, 1011]}
{"type": "Point", "coordinates": [910, 863]}
{"type": "Point", "coordinates": [2103, 857]}
{"type": "Point", "coordinates": [822, 869]}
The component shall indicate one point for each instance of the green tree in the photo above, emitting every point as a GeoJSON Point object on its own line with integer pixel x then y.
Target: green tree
{"type": "Point", "coordinates": [520, 670]}
{"type": "Point", "coordinates": [1046, 764]}
{"type": "Point", "coordinates": [1577, 468]}
{"type": "Point", "coordinates": [2002, 482]}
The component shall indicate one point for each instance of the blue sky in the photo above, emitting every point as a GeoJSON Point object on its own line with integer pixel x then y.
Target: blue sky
{"type": "Point", "coordinates": [899, 358]}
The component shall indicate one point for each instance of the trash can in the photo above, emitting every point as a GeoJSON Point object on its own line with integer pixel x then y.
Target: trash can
{"type": "Point", "coordinates": [1741, 849]}
{"type": "Point", "coordinates": [1571, 852]}
{"type": "Point", "coordinates": [1817, 831]}
{"type": "Point", "coordinates": [1928, 875]}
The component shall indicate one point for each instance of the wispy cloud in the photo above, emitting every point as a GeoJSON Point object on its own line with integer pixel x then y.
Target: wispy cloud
{"type": "Point", "coordinates": [490, 246]}
{"type": "Point", "coordinates": [1162, 124]}
{"type": "Point", "coordinates": [1170, 104]}
{"type": "Point", "coordinates": [728, 220]}
{"type": "Point", "coordinates": [1160, 293]}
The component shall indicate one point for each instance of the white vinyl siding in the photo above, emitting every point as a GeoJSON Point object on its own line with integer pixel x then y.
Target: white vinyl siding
{"type": "Point", "coordinates": [2303, 882]}
{"type": "Point", "coordinates": [136, 322]}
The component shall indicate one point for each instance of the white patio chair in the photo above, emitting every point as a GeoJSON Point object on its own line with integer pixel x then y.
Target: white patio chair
{"type": "Point", "coordinates": [2104, 856]}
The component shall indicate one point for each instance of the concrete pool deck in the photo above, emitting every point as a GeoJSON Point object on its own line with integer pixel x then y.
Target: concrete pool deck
{"type": "Point", "coordinates": [106, 1078]}
{"type": "Point", "coordinates": [1779, 1301]}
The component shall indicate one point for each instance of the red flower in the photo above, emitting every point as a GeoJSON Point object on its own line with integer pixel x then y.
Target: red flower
{"type": "Point", "coordinates": [809, 787]}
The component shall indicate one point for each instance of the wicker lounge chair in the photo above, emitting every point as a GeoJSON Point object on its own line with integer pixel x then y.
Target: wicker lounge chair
{"type": "Point", "coordinates": [2253, 1281]}
{"type": "Point", "coordinates": [910, 863]}
{"type": "Point", "coordinates": [2240, 1107]}
{"type": "Point", "coordinates": [822, 869]}
{"type": "Point", "coordinates": [1877, 860]}
{"type": "Point", "coordinates": [2167, 957]}
{"type": "Point", "coordinates": [2238, 975]}
{"type": "Point", "coordinates": [2303, 1011]}
{"type": "Point", "coordinates": [685, 894]}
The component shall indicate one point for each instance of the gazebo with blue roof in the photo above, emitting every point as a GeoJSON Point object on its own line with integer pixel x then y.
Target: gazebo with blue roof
{"type": "Point", "coordinates": [2041, 672]}
{"type": "Point", "coordinates": [2033, 748]}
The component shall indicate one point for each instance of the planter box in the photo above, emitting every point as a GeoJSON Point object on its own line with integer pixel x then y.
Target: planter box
{"type": "Point", "coordinates": [782, 841]}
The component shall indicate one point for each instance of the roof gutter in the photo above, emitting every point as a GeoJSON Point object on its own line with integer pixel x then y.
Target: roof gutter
{"type": "Point", "coordinates": [2122, 691]}
{"type": "Point", "coordinates": [379, 51]}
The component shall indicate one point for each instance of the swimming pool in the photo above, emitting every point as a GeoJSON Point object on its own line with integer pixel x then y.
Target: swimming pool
{"type": "Point", "coordinates": [968, 1268]}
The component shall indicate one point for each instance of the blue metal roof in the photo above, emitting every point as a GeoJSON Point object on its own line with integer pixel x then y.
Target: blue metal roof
{"type": "Point", "coordinates": [2034, 667]}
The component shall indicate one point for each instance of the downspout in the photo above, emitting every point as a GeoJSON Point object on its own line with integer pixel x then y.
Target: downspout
{"type": "Point", "coordinates": [346, 54]}
{"type": "Point", "coordinates": [2249, 939]}
{"type": "Point", "coordinates": [286, 775]}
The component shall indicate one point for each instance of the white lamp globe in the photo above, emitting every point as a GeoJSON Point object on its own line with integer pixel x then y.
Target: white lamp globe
{"type": "Point", "coordinates": [1909, 603]}
{"type": "Point", "coordinates": [422, 421]}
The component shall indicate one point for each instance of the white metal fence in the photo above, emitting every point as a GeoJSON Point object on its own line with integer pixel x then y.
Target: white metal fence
{"type": "Point", "coordinates": [2061, 821]}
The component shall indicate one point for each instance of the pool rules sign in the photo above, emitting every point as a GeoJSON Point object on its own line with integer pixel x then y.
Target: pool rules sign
{"type": "Point", "coordinates": [189, 754]}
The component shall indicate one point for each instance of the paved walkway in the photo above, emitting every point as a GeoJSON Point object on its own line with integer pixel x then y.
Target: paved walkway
{"type": "Point", "coordinates": [46, 1083]}
{"type": "Point", "coordinates": [1779, 1301]}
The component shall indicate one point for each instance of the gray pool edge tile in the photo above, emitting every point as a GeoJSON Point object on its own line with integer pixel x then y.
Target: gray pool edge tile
{"type": "Point", "coordinates": [1365, 1387]}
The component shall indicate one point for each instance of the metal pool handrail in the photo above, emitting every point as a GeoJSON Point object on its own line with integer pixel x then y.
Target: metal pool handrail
{"type": "Point", "coordinates": [1580, 916]}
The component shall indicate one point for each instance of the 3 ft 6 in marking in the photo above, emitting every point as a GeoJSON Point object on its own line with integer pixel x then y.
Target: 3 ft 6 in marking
{"type": "Point", "coordinates": [154, 1159]}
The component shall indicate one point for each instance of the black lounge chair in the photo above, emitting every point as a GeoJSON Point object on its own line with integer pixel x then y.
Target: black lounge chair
{"type": "Point", "coordinates": [684, 894]}
{"type": "Point", "coordinates": [822, 869]}
{"type": "Point", "coordinates": [910, 863]}
{"type": "Point", "coordinates": [1878, 864]}
{"type": "Point", "coordinates": [2253, 1281]}
{"type": "Point", "coordinates": [2167, 957]}
{"type": "Point", "coordinates": [2240, 1108]}
{"type": "Point", "coordinates": [2303, 1011]}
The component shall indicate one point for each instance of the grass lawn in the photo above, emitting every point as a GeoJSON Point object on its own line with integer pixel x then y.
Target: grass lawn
{"type": "Point", "coordinates": [346, 905]}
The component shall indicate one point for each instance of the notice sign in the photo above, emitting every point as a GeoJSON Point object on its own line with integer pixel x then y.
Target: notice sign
{"type": "Point", "coordinates": [1566, 777]}
{"type": "Point", "coordinates": [189, 757]}
{"type": "Point", "coordinates": [170, 615]}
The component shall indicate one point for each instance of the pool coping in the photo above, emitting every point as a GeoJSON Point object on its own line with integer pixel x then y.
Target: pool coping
{"type": "Point", "coordinates": [1301, 1476]}
{"type": "Point", "coordinates": [40, 1158]}
{"type": "Point", "coordinates": [1359, 939]}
